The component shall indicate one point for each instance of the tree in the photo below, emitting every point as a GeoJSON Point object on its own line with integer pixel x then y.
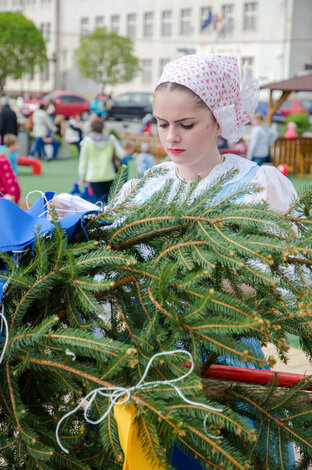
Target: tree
{"type": "Point", "coordinates": [106, 58]}
{"type": "Point", "coordinates": [162, 271]}
{"type": "Point", "coordinates": [22, 47]}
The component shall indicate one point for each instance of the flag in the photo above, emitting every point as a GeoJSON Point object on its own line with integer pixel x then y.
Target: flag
{"type": "Point", "coordinates": [207, 21]}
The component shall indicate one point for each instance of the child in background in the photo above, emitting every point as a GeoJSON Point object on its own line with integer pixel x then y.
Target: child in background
{"type": "Point", "coordinates": [128, 158]}
{"type": "Point", "coordinates": [9, 187]}
{"type": "Point", "coordinates": [11, 147]}
{"type": "Point", "coordinates": [144, 160]}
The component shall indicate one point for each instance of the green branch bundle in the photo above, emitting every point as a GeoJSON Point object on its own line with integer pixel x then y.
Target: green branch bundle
{"type": "Point", "coordinates": [196, 275]}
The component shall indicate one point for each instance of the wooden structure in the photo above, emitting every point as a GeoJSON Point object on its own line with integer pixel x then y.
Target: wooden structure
{"type": "Point", "coordinates": [303, 83]}
{"type": "Point", "coordinates": [296, 153]}
{"type": "Point", "coordinates": [153, 140]}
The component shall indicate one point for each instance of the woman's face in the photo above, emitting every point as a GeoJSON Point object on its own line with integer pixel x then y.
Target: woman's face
{"type": "Point", "coordinates": [187, 132]}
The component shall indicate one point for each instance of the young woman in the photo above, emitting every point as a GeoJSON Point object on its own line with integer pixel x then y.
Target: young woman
{"type": "Point", "coordinates": [197, 99]}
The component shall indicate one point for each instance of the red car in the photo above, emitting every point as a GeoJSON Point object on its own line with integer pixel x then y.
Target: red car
{"type": "Point", "coordinates": [291, 106]}
{"type": "Point", "coordinates": [66, 103]}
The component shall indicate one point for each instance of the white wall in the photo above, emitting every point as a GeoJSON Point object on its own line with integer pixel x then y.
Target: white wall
{"type": "Point", "coordinates": [280, 46]}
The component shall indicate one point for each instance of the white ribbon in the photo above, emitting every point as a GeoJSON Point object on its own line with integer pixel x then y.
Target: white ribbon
{"type": "Point", "coordinates": [115, 394]}
{"type": "Point", "coordinates": [6, 326]}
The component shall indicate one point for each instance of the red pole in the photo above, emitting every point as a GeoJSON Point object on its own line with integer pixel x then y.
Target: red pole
{"type": "Point", "coordinates": [255, 376]}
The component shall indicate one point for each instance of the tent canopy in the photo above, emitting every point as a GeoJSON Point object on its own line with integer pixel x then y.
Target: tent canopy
{"type": "Point", "coordinates": [302, 83]}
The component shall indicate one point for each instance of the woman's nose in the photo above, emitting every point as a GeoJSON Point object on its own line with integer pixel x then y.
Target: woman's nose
{"type": "Point", "coordinates": [173, 135]}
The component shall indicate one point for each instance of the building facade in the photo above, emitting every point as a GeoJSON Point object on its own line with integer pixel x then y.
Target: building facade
{"type": "Point", "coordinates": [274, 36]}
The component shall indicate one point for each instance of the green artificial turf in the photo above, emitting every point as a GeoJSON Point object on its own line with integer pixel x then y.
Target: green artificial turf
{"type": "Point", "coordinates": [57, 175]}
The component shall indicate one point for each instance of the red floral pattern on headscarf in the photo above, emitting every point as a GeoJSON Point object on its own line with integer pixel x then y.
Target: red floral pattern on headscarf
{"type": "Point", "coordinates": [216, 80]}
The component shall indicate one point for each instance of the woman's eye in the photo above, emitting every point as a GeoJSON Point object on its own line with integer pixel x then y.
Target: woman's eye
{"type": "Point", "coordinates": [162, 125]}
{"type": "Point", "coordinates": [187, 126]}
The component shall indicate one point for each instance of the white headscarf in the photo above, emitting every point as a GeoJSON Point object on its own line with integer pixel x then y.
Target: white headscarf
{"type": "Point", "coordinates": [215, 79]}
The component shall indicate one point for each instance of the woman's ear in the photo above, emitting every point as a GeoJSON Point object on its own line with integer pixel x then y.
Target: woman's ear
{"type": "Point", "coordinates": [218, 130]}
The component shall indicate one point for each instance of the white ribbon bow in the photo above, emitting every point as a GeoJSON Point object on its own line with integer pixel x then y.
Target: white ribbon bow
{"type": "Point", "coordinates": [115, 394]}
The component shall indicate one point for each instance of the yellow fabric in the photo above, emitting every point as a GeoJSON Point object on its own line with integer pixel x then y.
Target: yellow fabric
{"type": "Point", "coordinates": [129, 440]}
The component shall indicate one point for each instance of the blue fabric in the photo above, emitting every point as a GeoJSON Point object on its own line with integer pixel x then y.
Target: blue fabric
{"type": "Point", "coordinates": [20, 225]}
{"type": "Point", "coordinates": [231, 188]}
{"type": "Point", "coordinates": [260, 160]}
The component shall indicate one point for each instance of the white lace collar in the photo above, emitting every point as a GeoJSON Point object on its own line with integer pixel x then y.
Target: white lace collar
{"type": "Point", "coordinates": [230, 162]}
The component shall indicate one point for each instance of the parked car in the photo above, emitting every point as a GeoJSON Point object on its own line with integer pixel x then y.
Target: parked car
{"type": "Point", "coordinates": [292, 106]}
{"type": "Point", "coordinates": [307, 103]}
{"type": "Point", "coordinates": [134, 105]}
{"type": "Point", "coordinates": [66, 103]}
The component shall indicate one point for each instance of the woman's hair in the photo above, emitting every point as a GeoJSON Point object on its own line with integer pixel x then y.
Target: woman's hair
{"type": "Point", "coordinates": [97, 125]}
{"type": "Point", "coordinates": [170, 86]}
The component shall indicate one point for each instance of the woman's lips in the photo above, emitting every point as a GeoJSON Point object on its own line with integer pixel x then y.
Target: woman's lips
{"type": "Point", "coordinates": [176, 151]}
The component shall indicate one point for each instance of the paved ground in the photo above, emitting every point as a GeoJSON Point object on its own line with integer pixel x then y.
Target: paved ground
{"type": "Point", "coordinates": [298, 363]}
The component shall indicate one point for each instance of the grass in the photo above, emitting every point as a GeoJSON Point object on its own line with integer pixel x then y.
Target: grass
{"type": "Point", "coordinates": [57, 175]}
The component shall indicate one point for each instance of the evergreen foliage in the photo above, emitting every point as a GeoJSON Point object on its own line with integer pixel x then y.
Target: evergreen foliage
{"type": "Point", "coordinates": [91, 313]}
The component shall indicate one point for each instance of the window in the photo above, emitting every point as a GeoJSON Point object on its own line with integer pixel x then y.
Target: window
{"type": "Point", "coordinates": [3, 3]}
{"type": "Point", "coordinates": [250, 16]}
{"type": "Point", "coordinates": [131, 28]}
{"type": "Point", "coordinates": [45, 29]}
{"type": "Point", "coordinates": [227, 25]}
{"type": "Point", "coordinates": [17, 3]}
{"type": "Point", "coordinates": [30, 3]}
{"type": "Point", "coordinates": [45, 2]}
{"type": "Point", "coordinates": [115, 23]}
{"type": "Point", "coordinates": [146, 70]}
{"type": "Point", "coordinates": [45, 74]}
{"type": "Point", "coordinates": [71, 99]}
{"type": "Point", "coordinates": [99, 21]}
{"type": "Point", "coordinates": [148, 24]}
{"type": "Point", "coordinates": [84, 26]}
{"type": "Point", "coordinates": [166, 23]}
{"type": "Point", "coordinates": [205, 18]}
{"type": "Point", "coordinates": [250, 68]}
{"type": "Point", "coordinates": [162, 63]}
{"type": "Point", "coordinates": [186, 21]}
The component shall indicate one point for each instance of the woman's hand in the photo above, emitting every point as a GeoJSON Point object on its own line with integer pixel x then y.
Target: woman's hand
{"type": "Point", "coordinates": [60, 207]}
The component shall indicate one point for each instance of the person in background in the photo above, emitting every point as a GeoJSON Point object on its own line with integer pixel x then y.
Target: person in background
{"type": "Point", "coordinates": [98, 106]}
{"type": "Point", "coordinates": [291, 132]}
{"type": "Point", "coordinates": [144, 160]}
{"type": "Point", "coordinates": [96, 161]}
{"type": "Point", "coordinates": [87, 125]}
{"type": "Point", "coordinates": [51, 110]}
{"type": "Point", "coordinates": [8, 118]}
{"type": "Point", "coordinates": [9, 186]}
{"type": "Point", "coordinates": [128, 148]}
{"type": "Point", "coordinates": [11, 147]}
{"type": "Point", "coordinates": [59, 122]}
{"type": "Point", "coordinates": [42, 125]}
{"type": "Point", "coordinates": [261, 139]}
{"type": "Point", "coordinates": [73, 134]}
